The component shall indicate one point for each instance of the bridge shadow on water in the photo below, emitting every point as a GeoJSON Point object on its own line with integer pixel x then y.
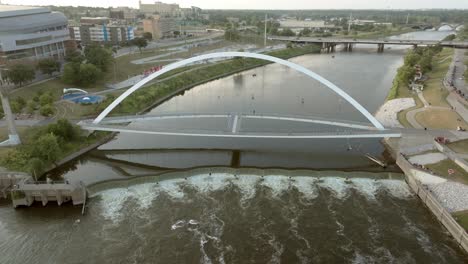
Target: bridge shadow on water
{"type": "Point", "coordinates": [317, 154]}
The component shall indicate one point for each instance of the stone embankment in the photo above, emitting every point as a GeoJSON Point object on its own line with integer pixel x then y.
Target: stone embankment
{"type": "Point", "coordinates": [453, 199]}
{"type": "Point", "coordinates": [388, 113]}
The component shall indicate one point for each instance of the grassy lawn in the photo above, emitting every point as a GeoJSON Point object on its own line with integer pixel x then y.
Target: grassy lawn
{"type": "Point", "coordinates": [462, 218]}
{"type": "Point", "coordinates": [440, 119]}
{"type": "Point", "coordinates": [459, 146]}
{"type": "Point", "coordinates": [402, 114]}
{"type": "Point", "coordinates": [434, 91]}
{"type": "Point", "coordinates": [441, 169]}
{"type": "Point", "coordinates": [378, 34]}
{"type": "Point", "coordinates": [22, 130]}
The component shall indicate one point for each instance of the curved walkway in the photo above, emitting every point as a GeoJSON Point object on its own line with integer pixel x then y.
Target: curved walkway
{"type": "Point", "coordinates": [411, 115]}
{"type": "Point", "coordinates": [452, 99]}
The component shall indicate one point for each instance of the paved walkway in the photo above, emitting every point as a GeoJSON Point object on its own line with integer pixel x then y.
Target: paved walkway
{"type": "Point", "coordinates": [411, 115]}
{"type": "Point", "coordinates": [453, 99]}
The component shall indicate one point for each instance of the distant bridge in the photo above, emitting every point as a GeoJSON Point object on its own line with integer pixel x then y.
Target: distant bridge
{"type": "Point", "coordinates": [329, 44]}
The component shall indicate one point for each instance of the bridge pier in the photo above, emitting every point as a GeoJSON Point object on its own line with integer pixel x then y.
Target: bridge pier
{"type": "Point", "coordinates": [380, 47]}
{"type": "Point", "coordinates": [348, 47]}
{"type": "Point", "coordinates": [328, 47]}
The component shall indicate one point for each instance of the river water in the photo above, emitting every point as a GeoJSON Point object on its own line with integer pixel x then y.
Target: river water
{"type": "Point", "coordinates": [222, 215]}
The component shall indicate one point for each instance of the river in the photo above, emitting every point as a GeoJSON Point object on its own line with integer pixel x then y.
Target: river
{"type": "Point", "coordinates": [217, 214]}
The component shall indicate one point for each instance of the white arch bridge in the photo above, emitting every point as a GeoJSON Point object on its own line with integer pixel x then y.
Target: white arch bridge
{"type": "Point", "coordinates": [233, 121]}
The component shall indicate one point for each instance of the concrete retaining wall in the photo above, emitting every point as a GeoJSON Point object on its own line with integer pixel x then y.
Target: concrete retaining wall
{"type": "Point", "coordinates": [452, 155]}
{"type": "Point", "coordinates": [444, 217]}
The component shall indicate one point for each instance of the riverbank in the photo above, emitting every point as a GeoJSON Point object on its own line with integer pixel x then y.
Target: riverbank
{"type": "Point", "coordinates": [46, 147]}
{"type": "Point", "coordinates": [431, 107]}
{"type": "Point", "coordinates": [413, 178]}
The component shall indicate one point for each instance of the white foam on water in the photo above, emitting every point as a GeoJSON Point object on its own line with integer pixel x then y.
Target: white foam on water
{"type": "Point", "coordinates": [422, 238]}
{"type": "Point", "coordinates": [144, 194]}
{"type": "Point", "coordinates": [247, 184]}
{"type": "Point", "coordinates": [306, 186]}
{"type": "Point", "coordinates": [337, 185]}
{"type": "Point", "coordinates": [385, 256]}
{"type": "Point", "coordinates": [277, 183]}
{"type": "Point", "coordinates": [214, 182]}
{"type": "Point", "coordinates": [366, 187]}
{"type": "Point", "coordinates": [278, 250]}
{"type": "Point", "coordinates": [172, 188]}
{"type": "Point", "coordinates": [178, 224]}
{"type": "Point", "coordinates": [361, 259]}
{"type": "Point", "coordinates": [397, 188]}
{"type": "Point", "coordinates": [193, 222]}
{"type": "Point", "coordinates": [112, 202]}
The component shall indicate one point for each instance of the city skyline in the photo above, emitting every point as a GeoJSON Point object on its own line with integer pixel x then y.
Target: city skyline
{"type": "Point", "coordinates": [261, 4]}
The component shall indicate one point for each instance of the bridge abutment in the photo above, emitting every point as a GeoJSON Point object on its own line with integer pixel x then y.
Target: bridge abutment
{"type": "Point", "coordinates": [380, 48]}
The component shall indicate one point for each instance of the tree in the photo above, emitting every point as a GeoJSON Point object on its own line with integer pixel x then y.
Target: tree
{"type": "Point", "coordinates": [46, 99]}
{"type": "Point", "coordinates": [89, 74]}
{"type": "Point", "coordinates": [148, 36]}
{"type": "Point", "coordinates": [64, 129]}
{"type": "Point", "coordinates": [406, 73]}
{"type": "Point", "coordinates": [48, 66]}
{"type": "Point", "coordinates": [31, 106]}
{"type": "Point", "coordinates": [176, 33]}
{"type": "Point", "coordinates": [305, 32]}
{"type": "Point", "coordinates": [287, 33]}
{"type": "Point", "coordinates": [47, 110]}
{"type": "Point", "coordinates": [425, 63]}
{"type": "Point", "coordinates": [81, 74]}
{"type": "Point", "coordinates": [46, 148]}
{"type": "Point", "coordinates": [71, 73]}
{"type": "Point", "coordinates": [412, 58]}
{"type": "Point", "coordinates": [140, 43]}
{"type": "Point", "coordinates": [99, 56]}
{"type": "Point", "coordinates": [36, 167]}
{"type": "Point", "coordinates": [20, 73]}
{"type": "Point", "coordinates": [74, 56]}
{"type": "Point", "coordinates": [231, 35]}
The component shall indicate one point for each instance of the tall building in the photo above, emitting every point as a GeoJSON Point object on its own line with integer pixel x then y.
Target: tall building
{"type": "Point", "coordinates": [31, 33]}
{"type": "Point", "coordinates": [159, 27]}
{"type": "Point", "coordinates": [162, 9]}
{"type": "Point", "coordinates": [123, 12]}
{"type": "Point", "coordinates": [112, 34]}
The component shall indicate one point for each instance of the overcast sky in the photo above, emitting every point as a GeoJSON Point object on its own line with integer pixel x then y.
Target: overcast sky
{"type": "Point", "coordinates": [265, 4]}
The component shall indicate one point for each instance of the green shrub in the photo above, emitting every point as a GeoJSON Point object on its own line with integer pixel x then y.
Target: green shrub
{"type": "Point", "coordinates": [17, 195]}
{"type": "Point", "coordinates": [46, 99]}
{"type": "Point", "coordinates": [47, 110]}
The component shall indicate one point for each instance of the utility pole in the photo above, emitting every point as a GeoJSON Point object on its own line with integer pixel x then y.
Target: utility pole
{"type": "Point", "coordinates": [407, 19]}
{"type": "Point", "coordinates": [265, 38]}
{"type": "Point", "coordinates": [349, 22]}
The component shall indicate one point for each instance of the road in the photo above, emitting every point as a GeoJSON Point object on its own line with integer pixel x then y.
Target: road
{"type": "Point", "coordinates": [166, 43]}
{"type": "Point", "coordinates": [459, 63]}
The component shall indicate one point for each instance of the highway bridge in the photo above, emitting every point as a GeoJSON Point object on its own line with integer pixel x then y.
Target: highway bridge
{"type": "Point", "coordinates": [329, 44]}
